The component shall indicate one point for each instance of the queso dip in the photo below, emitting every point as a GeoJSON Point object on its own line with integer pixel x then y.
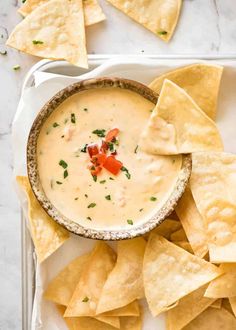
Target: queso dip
{"type": "Point", "coordinates": [103, 200]}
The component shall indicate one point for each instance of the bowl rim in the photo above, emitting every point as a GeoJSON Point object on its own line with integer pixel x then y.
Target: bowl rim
{"type": "Point", "coordinates": [33, 175]}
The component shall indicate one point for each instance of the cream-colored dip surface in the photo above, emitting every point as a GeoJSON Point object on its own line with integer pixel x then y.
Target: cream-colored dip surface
{"type": "Point", "coordinates": [78, 196]}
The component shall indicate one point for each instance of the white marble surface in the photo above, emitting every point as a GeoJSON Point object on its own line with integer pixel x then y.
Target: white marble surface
{"type": "Point", "coordinates": [205, 27]}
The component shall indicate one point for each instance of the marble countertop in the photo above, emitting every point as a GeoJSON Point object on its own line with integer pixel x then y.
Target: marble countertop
{"type": "Point", "coordinates": [206, 27]}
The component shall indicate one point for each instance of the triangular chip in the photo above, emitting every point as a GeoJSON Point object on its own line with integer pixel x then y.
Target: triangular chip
{"type": "Point", "coordinates": [54, 30]}
{"type": "Point", "coordinates": [188, 309]}
{"type": "Point", "coordinates": [61, 288]}
{"type": "Point", "coordinates": [213, 319]}
{"type": "Point", "coordinates": [201, 81]}
{"type": "Point", "coordinates": [217, 303]}
{"type": "Point", "coordinates": [170, 273]}
{"type": "Point", "coordinates": [92, 11]}
{"type": "Point", "coordinates": [125, 282]}
{"type": "Point", "coordinates": [213, 185]}
{"type": "Point", "coordinates": [232, 301]}
{"type": "Point", "coordinates": [85, 299]}
{"type": "Point", "coordinates": [184, 245]}
{"type": "Point", "coordinates": [46, 234]}
{"type": "Point", "coordinates": [225, 285]}
{"type": "Point", "coordinates": [178, 235]}
{"type": "Point", "coordinates": [193, 223]}
{"type": "Point", "coordinates": [158, 16]}
{"type": "Point", "coordinates": [177, 125]}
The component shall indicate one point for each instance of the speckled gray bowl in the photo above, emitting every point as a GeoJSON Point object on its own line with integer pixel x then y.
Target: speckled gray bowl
{"type": "Point", "coordinates": [37, 188]}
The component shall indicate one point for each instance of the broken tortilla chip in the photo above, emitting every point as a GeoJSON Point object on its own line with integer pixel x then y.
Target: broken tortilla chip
{"type": "Point", "coordinates": [158, 16]}
{"type": "Point", "coordinates": [61, 288]}
{"type": "Point", "coordinates": [46, 234]}
{"type": "Point", "coordinates": [88, 291]}
{"type": "Point", "coordinates": [54, 30]}
{"type": "Point", "coordinates": [213, 185]}
{"type": "Point", "coordinates": [92, 11]}
{"type": "Point", "coordinates": [171, 273]}
{"type": "Point", "coordinates": [192, 223]}
{"type": "Point", "coordinates": [201, 81]}
{"type": "Point", "coordinates": [213, 318]}
{"type": "Point", "coordinates": [188, 309]}
{"type": "Point", "coordinates": [225, 285]}
{"type": "Point", "coordinates": [177, 125]}
{"type": "Point", "coordinates": [125, 282]}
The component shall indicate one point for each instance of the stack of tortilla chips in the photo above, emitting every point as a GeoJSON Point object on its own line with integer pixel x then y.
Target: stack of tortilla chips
{"type": "Point", "coordinates": [185, 267]}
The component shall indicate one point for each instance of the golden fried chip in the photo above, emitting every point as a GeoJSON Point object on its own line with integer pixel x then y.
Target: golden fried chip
{"type": "Point", "coordinates": [225, 285]}
{"type": "Point", "coordinates": [188, 309]}
{"type": "Point", "coordinates": [125, 282]}
{"type": "Point", "coordinates": [213, 185]}
{"type": "Point", "coordinates": [177, 125]}
{"type": "Point", "coordinates": [232, 301]}
{"type": "Point", "coordinates": [213, 318]}
{"type": "Point", "coordinates": [184, 245]}
{"type": "Point", "coordinates": [54, 30]}
{"type": "Point", "coordinates": [158, 16]}
{"type": "Point", "coordinates": [192, 223]}
{"type": "Point", "coordinates": [88, 291]}
{"type": "Point", "coordinates": [46, 234]}
{"type": "Point", "coordinates": [61, 288]}
{"type": "Point", "coordinates": [171, 273]}
{"type": "Point", "coordinates": [217, 303]}
{"type": "Point", "coordinates": [178, 236]}
{"type": "Point", "coordinates": [167, 227]}
{"type": "Point", "coordinates": [92, 11]}
{"type": "Point", "coordinates": [201, 81]}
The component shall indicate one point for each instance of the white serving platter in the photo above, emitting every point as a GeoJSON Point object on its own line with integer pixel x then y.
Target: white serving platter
{"type": "Point", "coordinates": [43, 80]}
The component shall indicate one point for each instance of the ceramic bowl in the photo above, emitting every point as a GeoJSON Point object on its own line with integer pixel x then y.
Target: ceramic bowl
{"type": "Point", "coordinates": [126, 233]}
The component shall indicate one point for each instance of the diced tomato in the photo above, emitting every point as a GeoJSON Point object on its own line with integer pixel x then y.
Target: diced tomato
{"type": "Point", "coordinates": [99, 159]}
{"type": "Point", "coordinates": [112, 134]}
{"type": "Point", "coordinates": [93, 150]}
{"type": "Point", "coordinates": [94, 170]}
{"type": "Point", "coordinates": [112, 165]}
{"type": "Point", "coordinates": [104, 146]}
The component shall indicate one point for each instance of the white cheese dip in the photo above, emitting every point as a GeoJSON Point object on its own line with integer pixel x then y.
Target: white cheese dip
{"type": "Point", "coordinates": [113, 200]}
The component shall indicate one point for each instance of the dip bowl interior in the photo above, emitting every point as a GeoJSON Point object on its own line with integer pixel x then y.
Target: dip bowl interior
{"type": "Point", "coordinates": [86, 231]}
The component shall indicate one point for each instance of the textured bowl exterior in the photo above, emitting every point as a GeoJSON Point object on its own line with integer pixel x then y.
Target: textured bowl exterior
{"type": "Point", "coordinates": [34, 178]}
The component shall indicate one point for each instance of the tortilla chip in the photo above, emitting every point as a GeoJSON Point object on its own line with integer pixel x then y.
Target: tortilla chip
{"type": "Point", "coordinates": [177, 125]}
{"type": "Point", "coordinates": [200, 81]}
{"type": "Point", "coordinates": [61, 288]}
{"type": "Point", "coordinates": [46, 234]}
{"type": "Point", "coordinates": [217, 303]}
{"type": "Point", "coordinates": [213, 318]}
{"type": "Point", "coordinates": [158, 16]}
{"type": "Point", "coordinates": [184, 245]}
{"type": "Point", "coordinates": [192, 223]}
{"type": "Point", "coordinates": [92, 11]}
{"type": "Point", "coordinates": [226, 305]}
{"type": "Point", "coordinates": [131, 309]}
{"type": "Point", "coordinates": [213, 185]}
{"type": "Point", "coordinates": [166, 228]}
{"type": "Point", "coordinates": [188, 309]}
{"type": "Point", "coordinates": [225, 285]}
{"type": "Point", "coordinates": [54, 30]}
{"type": "Point", "coordinates": [170, 273]}
{"type": "Point", "coordinates": [88, 291]}
{"type": "Point", "coordinates": [232, 301]}
{"type": "Point", "coordinates": [125, 282]}
{"type": "Point", "coordinates": [178, 235]}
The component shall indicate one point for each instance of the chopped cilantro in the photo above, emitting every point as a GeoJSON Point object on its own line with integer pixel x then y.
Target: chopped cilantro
{"type": "Point", "coordinates": [86, 109]}
{"type": "Point", "coordinates": [55, 125]}
{"type": "Point", "coordinates": [37, 42]}
{"type": "Point", "coordinates": [91, 205]}
{"type": "Point", "coordinates": [16, 67]}
{"type": "Point", "coordinates": [153, 199]}
{"type": "Point", "coordinates": [111, 178]}
{"type": "Point", "coordinates": [95, 178]}
{"type": "Point", "coordinates": [86, 299]}
{"type": "Point", "coordinates": [72, 118]}
{"type": "Point", "coordinates": [136, 149]}
{"type": "Point", "coordinates": [63, 164]}
{"type": "Point", "coordinates": [76, 198]}
{"type": "Point", "coordinates": [162, 32]}
{"type": "Point", "coordinates": [88, 218]}
{"type": "Point", "coordinates": [140, 210]}
{"type": "Point", "coordinates": [84, 149]}
{"type": "Point", "coordinates": [58, 182]}
{"type": "Point", "coordinates": [99, 132]}
{"type": "Point", "coordinates": [65, 174]}
{"type": "Point", "coordinates": [124, 169]}
{"type": "Point", "coordinates": [86, 195]}
{"type": "Point", "coordinates": [130, 222]}
{"type": "Point", "coordinates": [103, 181]}
{"type": "Point", "coordinates": [108, 197]}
